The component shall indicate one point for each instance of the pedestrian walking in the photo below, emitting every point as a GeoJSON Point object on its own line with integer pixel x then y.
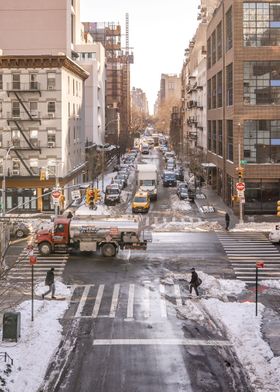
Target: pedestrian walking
{"type": "Point", "coordinates": [50, 282]}
{"type": "Point", "coordinates": [227, 219]}
{"type": "Point", "coordinates": [195, 282]}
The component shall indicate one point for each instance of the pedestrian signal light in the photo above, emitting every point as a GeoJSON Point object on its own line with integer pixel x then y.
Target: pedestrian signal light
{"type": "Point", "coordinates": [240, 171]}
{"type": "Point", "coordinates": [278, 208]}
{"type": "Point", "coordinates": [42, 175]}
{"type": "Point", "coordinates": [97, 195]}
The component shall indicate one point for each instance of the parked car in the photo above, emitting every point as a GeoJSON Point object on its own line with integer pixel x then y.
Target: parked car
{"type": "Point", "coordinates": [122, 177]}
{"type": "Point", "coordinates": [169, 178]}
{"type": "Point", "coordinates": [169, 154]}
{"type": "Point", "coordinates": [182, 191]}
{"type": "Point", "coordinates": [191, 194]}
{"type": "Point", "coordinates": [19, 229]}
{"type": "Point", "coordinates": [145, 149]}
{"type": "Point", "coordinates": [171, 162]}
{"type": "Point", "coordinates": [119, 182]}
{"type": "Point", "coordinates": [274, 235]}
{"type": "Point", "coordinates": [112, 195]}
{"type": "Point", "coordinates": [179, 174]}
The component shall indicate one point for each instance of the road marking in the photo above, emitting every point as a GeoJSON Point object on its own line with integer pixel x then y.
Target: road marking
{"type": "Point", "coordinates": [160, 342]}
{"type": "Point", "coordinates": [162, 301]}
{"type": "Point", "coordinates": [130, 302]}
{"type": "Point", "coordinates": [156, 220]}
{"type": "Point", "coordinates": [83, 300]}
{"type": "Point", "coordinates": [114, 302]}
{"type": "Point", "coordinates": [98, 301]}
{"type": "Point", "coordinates": [178, 295]}
{"type": "Point", "coordinates": [146, 301]}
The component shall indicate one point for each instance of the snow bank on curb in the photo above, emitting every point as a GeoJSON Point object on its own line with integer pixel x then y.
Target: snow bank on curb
{"type": "Point", "coordinates": [179, 205]}
{"type": "Point", "coordinates": [273, 284]}
{"type": "Point", "coordinates": [244, 331]}
{"type": "Point", "coordinates": [253, 226]}
{"type": "Point", "coordinates": [188, 227]}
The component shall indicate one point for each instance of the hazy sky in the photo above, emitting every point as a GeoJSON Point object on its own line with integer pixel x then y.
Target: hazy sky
{"type": "Point", "coordinates": [159, 31]}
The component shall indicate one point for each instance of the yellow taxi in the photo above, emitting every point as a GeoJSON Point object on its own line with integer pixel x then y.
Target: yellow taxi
{"type": "Point", "coordinates": [141, 202]}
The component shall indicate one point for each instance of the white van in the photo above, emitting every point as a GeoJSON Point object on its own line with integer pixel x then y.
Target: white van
{"type": "Point", "coordinates": [274, 235]}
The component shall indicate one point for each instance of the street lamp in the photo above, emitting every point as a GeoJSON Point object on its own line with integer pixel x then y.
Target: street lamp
{"type": "Point", "coordinates": [4, 181]}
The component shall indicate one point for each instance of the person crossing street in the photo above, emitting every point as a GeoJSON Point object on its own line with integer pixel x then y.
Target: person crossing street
{"type": "Point", "coordinates": [50, 282]}
{"type": "Point", "coordinates": [195, 282]}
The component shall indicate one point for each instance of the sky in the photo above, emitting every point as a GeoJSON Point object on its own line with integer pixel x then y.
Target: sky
{"type": "Point", "coordinates": [159, 32]}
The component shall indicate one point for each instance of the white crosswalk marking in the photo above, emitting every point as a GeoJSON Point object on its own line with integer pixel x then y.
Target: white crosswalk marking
{"type": "Point", "coordinates": [114, 303]}
{"type": "Point", "coordinates": [162, 301]}
{"type": "Point", "coordinates": [245, 249]}
{"type": "Point", "coordinates": [98, 301]}
{"type": "Point", "coordinates": [83, 300]}
{"type": "Point", "coordinates": [146, 302]}
{"type": "Point", "coordinates": [178, 295]}
{"type": "Point", "coordinates": [130, 301]}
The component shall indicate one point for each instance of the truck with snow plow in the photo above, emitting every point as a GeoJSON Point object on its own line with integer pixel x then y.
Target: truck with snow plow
{"type": "Point", "coordinates": [91, 234]}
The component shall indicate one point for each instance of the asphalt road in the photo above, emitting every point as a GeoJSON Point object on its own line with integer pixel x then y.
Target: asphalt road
{"type": "Point", "coordinates": [124, 331]}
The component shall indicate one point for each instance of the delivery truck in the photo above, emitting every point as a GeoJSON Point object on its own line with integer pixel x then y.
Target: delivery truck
{"type": "Point", "coordinates": [147, 179]}
{"type": "Point", "coordinates": [90, 234]}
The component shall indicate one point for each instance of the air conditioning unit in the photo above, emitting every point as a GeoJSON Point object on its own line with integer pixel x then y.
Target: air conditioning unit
{"type": "Point", "coordinates": [34, 113]}
{"type": "Point", "coordinates": [51, 144]}
{"type": "Point", "coordinates": [51, 87]}
{"type": "Point", "coordinates": [51, 115]}
{"type": "Point", "coordinates": [15, 172]}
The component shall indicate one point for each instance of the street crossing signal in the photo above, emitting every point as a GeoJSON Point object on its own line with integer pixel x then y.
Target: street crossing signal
{"type": "Point", "coordinates": [97, 195]}
{"type": "Point", "coordinates": [89, 195]}
{"type": "Point", "coordinates": [278, 208]}
{"type": "Point", "coordinates": [240, 172]}
{"type": "Point", "coordinates": [43, 174]}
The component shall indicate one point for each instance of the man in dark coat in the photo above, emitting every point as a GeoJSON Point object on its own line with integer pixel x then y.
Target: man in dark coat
{"type": "Point", "coordinates": [50, 282]}
{"type": "Point", "coordinates": [227, 219]}
{"type": "Point", "coordinates": [195, 282]}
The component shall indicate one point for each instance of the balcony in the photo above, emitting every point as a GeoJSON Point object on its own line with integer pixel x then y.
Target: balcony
{"type": "Point", "coordinates": [27, 87]}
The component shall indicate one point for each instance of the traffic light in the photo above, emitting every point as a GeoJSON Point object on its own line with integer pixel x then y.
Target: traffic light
{"type": "Point", "coordinates": [240, 171]}
{"type": "Point", "coordinates": [43, 174]}
{"type": "Point", "coordinates": [88, 195]}
{"type": "Point", "coordinates": [278, 208]}
{"type": "Point", "coordinates": [97, 195]}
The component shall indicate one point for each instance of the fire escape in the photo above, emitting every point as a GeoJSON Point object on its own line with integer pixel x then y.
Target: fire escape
{"type": "Point", "coordinates": [21, 115]}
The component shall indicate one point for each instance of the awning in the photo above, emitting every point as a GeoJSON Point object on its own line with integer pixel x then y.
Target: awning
{"type": "Point", "coordinates": [208, 164]}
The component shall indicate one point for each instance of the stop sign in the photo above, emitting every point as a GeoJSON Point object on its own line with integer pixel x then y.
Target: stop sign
{"type": "Point", "coordinates": [56, 194]}
{"type": "Point", "coordinates": [240, 186]}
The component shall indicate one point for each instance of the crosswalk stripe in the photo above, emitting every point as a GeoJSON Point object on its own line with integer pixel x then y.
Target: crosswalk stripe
{"type": "Point", "coordinates": [146, 301]}
{"type": "Point", "coordinates": [98, 301]}
{"type": "Point", "coordinates": [83, 300]}
{"type": "Point", "coordinates": [130, 301]}
{"type": "Point", "coordinates": [114, 303]}
{"type": "Point", "coordinates": [178, 295]}
{"type": "Point", "coordinates": [162, 301]}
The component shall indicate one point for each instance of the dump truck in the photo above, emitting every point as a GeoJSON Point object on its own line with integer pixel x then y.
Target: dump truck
{"type": "Point", "coordinates": [147, 179]}
{"type": "Point", "coordinates": [91, 234]}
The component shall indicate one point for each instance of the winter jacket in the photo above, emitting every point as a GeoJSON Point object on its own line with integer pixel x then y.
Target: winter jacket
{"type": "Point", "coordinates": [227, 218]}
{"type": "Point", "coordinates": [194, 279]}
{"type": "Point", "coordinates": [49, 278]}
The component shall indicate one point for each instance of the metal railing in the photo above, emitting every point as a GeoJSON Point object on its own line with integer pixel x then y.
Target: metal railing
{"type": "Point", "coordinates": [18, 86]}
{"type": "Point", "coordinates": [21, 115]}
{"type": "Point", "coordinates": [6, 357]}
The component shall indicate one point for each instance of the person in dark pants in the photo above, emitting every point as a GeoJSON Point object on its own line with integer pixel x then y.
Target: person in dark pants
{"type": "Point", "coordinates": [50, 282]}
{"type": "Point", "coordinates": [227, 219]}
{"type": "Point", "coordinates": [195, 282]}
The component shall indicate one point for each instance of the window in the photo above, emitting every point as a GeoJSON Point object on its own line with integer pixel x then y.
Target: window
{"type": "Point", "coordinates": [1, 138]}
{"type": "Point", "coordinates": [213, 47]}
{"type": "Point", "coordinates": [34, 137]}
{"type": "Point", "coordinates": [16, 82]}
{"type": "Point", "coordinates": [220, 138]}
{"type": "Point", "coordinates": [34, 165]}
{"type": "Point", "coordinates": [52, 167]}
{"type": "Point", "coordinates": [68, 84]}
{"type": "Point", "coordinates": [16, 138]}
{"type": "Point", "coordinates": [1, 167]}
{"type": "Point", "coordinates": [209, 93]}
{"type": "Point", "coordinates": [69, 109]}
{"type": "Point", "coordinates": [74, 113]}
{"type": "Point", "coordinates": [34, 108]}
{"type": "Point", "coordinates": [261, 24]}
{"type": "Point", "coordinates": [214, 137]}
{"type": "Point", "coordinates": [1, 81]}
{"type": "Point", "coordinates": [229, 86]}
{"type": "Point", "coordinates": [214, 92]}
{"type": "Point", "coordinates": [209, 136]}
{"type": "Point", "coordinates": [209, 63]}
{"type": "Point", "coordinates": [262, 83]}
{"type": "Point", "coordinates": [51, 107]}
{"type": "Point", "coordinates": [15, 109]}
{"type": "Point", "coordinates": [220, 89]}
{"type": "Point", "coordinates": [229, 29]}
{"type": "Point", "coordinates": [262, 141]}
{"type": "Point", "coordinates": [1, 109]}
{"type": "Point", "coordinates": [51, 138]}
{"type": "Point", "coordinates": [73, 87]}
{"type": "Point", "coordinates": [33, 82]}
{"type": "Point", "coordinates": [76, 88]}
{"type": "Point", "coordinates": [219, 41]}
{"type": "Point", "coordinates": [15, 167]}
{"type": "Point", "coordinates": [51, 80]}
{"type": "Point", "coordinates": [230, 140]}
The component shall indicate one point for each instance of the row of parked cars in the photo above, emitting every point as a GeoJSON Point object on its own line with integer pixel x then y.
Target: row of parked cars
{"type": "Point", "coordinates": [119, 182]}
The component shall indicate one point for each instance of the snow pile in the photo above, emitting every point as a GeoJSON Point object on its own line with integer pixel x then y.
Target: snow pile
{"type": "Point", "coordinates": [180, 205]}
{"type": "Point", "coordinates": [60, 289]}
{"type": "Point", "coordinates": [100, 210]}
{"type": "Point", "coordinates": [273, 284]}
{"type": "Point", "coordinates": [191, 311]}
{"type": "Point", "coordinates": [43, 335]}
{"type": "Point", "coordinates": [204, 226]}
{"type": "Point", "coordinates": [244, 331]}
{"type": "Point", "coordinates": [252, 226]}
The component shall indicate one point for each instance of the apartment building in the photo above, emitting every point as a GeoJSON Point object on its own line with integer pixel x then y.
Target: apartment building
{"type": "Point", "coordinates": [243, 98]}
{"type": "Point", "coordinates": [41, 127]}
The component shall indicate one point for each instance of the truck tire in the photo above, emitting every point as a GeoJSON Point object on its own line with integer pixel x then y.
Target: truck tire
{"type": "Point", "coordinates": [108, 250]}
{"type": "Point", "coordinates": [45, 249]}
{"type": "Point", "coordinates": [19, 233]}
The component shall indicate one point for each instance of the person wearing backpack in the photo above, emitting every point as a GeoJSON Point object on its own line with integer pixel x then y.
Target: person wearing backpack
{"type": "Point", "coordinates": [50, 282]}
{"type": "Point", "coordinates": [195, 282]}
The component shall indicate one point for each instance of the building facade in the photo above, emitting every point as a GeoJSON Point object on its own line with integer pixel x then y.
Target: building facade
{"type": "Point", "coordinates": [243, 98]}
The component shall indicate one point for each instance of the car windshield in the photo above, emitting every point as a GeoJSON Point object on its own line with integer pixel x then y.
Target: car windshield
{"type": "Point", "coordinates": [148, 182]}
{"type": "Point", "coordinates": [140, 199]}
{"type": "Point", "coordinates": [170, 176]}
{"type": "Point", "coordinates": [112, 191]}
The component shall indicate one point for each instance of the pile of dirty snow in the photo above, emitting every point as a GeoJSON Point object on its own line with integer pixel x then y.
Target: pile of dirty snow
{"type": "Point", "coordinates": [204, 226]}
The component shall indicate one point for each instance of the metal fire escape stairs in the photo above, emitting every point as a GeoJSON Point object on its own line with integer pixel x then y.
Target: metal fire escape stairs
{"type": "Point", "coordinates": [19, 124]}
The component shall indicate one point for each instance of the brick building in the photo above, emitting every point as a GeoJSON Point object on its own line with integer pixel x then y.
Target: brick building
{"type": "Point", "coordinates": [243, 98]}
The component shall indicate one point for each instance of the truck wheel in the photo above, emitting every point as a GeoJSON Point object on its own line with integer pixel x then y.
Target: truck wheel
{"type": "Point", "coordinates": [108, 250]}
{"type": "Point", "coordinates": [19, 233]}
{"type": "Point", "coordinates": [45, 248]}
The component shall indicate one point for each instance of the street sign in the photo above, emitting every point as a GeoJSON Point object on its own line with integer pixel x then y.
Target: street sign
{"type": "Point", "coordinates": [243, 162]}
{"type": "Point", "coordinates": [76, 194]}
{"type": "Point", "coordinates": [260, 264]}
{"type": "Point", "coordinates": [240, 186]}
{"type": "Point", "coordinates": [240, 194]}
{"type": "Point", "coordinates": [56, 194]}
{"type": "Point", "coordinates": [32, 260]}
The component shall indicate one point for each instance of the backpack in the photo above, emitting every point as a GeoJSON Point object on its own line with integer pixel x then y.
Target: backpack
{"type": "Point", "coordinates": [199, 281]}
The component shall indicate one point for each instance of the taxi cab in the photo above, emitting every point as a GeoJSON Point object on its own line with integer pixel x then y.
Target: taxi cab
{"type": "Point", "coordinates": [141, 202]}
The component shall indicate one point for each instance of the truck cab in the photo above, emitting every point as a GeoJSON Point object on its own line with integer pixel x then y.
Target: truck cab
{"type": "Point", "coordinates": [58, 237]}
